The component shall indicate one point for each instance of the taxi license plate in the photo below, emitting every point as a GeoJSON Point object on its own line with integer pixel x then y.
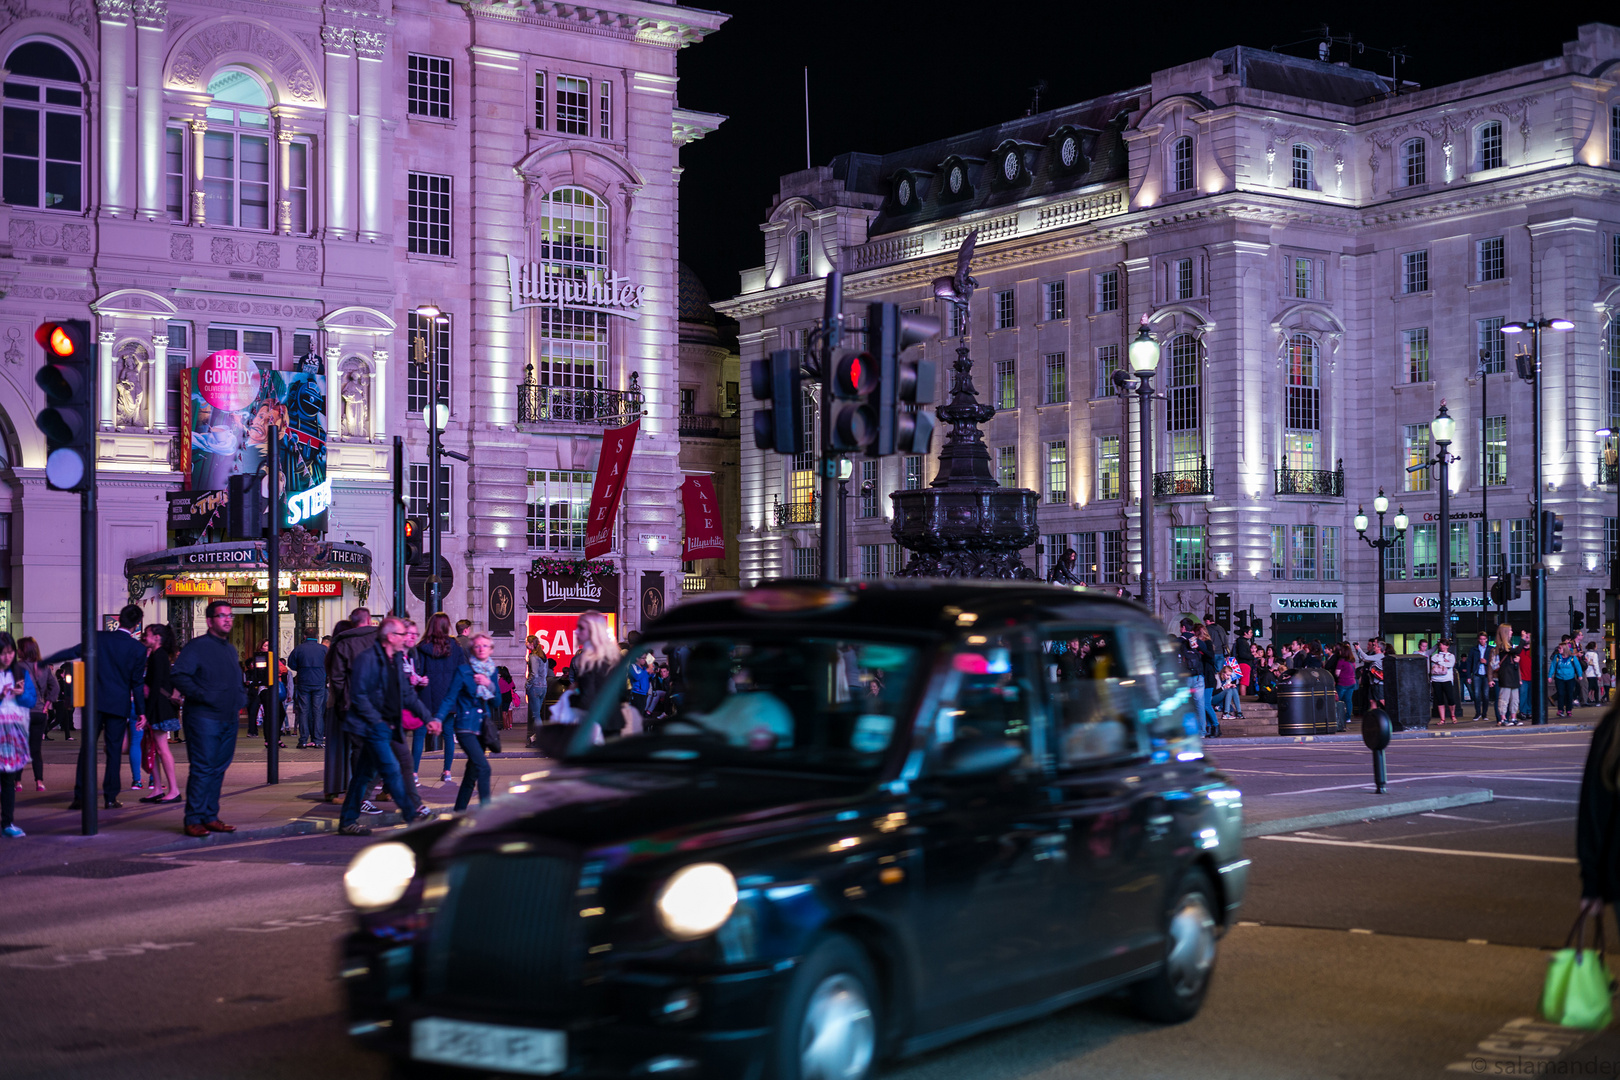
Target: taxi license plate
{"type": "Point", "coordinates": [531, 1051]}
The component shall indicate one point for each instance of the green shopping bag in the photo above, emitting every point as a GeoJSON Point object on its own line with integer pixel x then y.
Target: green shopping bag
{"type": "Point", "coordinates": [1579, 986]}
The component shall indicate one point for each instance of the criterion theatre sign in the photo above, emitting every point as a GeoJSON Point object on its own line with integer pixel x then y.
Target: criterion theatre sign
{"type": "Point", "coordinates": [533, 286]}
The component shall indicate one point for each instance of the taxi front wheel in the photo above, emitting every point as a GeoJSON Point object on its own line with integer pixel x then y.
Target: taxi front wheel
{"type": "Point", "coordinates": [829, 1024]}
{"type": "Point", "coordinates": [1175, 992]}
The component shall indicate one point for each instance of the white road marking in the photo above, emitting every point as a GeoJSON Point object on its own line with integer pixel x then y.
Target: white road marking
{"type": "Point", "coordinates": [1522, 1047]}
{"type": "Point", "coordinates": [1422, 850]}
{"type": "Point", "coordinates": [1533, 798]}
{"type": "Point", "coordinates": [93, 956]}
{"type": "Point", "coordinates": [1456, 817]}
{"type": "Point", "coordinates": [275, 926]}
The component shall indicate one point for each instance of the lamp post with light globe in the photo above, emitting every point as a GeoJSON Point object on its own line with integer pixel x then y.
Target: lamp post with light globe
{"type": "Point", "coordinates": [1143, 355]}
{"type": "Point", "coordinates": [435, 416]}
{"type": "Point", "coordinates": [1382, 544]}
{"type": "Point", "coordinates": [1528, 366]}
{"type": "Point", "coordinates": [1443, 429]}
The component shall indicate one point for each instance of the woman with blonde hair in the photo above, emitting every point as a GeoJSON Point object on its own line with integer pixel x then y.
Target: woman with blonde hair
{"type": "Point", "coordinates": [1504, 637]}
{"type": "Point", "coordinates": [597, 654]}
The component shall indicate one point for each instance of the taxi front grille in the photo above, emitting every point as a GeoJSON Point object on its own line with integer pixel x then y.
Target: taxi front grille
{"type": "Point", "coordinates": [506, 936]}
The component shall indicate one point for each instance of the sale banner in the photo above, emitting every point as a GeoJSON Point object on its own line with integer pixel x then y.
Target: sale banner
{"type": "Point", "coordinates": [611, 470]}
{"type": "Point", "coordinates": [703, 537]}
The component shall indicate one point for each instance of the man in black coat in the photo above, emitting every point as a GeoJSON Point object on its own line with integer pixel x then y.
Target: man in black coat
{"type": "Point", "coordinates": [208, 672]}
{"type": "Point", "coordinates": [120, 678]}
{"type": "Point", "coordinates": [1597, 821]}
{"type": "Point", "coordinates": [308, 665]}
{"type": "Point", "coordinates": [378, 691]}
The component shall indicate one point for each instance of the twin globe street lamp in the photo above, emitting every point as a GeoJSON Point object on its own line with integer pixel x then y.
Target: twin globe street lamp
{"type": "Point", "coordinates": [1143, 355]}
{"type": "Point", "coordinates": [1382, 544]}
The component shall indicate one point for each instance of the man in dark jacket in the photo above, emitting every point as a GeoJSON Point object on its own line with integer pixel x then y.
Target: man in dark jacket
{"type": "Point", "coordinates": [1597, 821]}
{"type": "Point", "coordinates": [209, 674]}
{"type": "Point", "coordinates": [308, 665]}
{"type": "Point", "coordinates": [120, 682]}
{"type": "Point", "coordinates": [346, 647]}
{"type": "Point", "coordinates": [378, 690]}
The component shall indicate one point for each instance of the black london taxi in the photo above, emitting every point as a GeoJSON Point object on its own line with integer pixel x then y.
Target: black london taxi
{"type": "Point", "coordinates": [878, 818]}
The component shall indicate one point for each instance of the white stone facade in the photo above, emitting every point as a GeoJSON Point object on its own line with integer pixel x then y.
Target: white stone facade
{"type": "Point", "coordinates": [385, 155]}
{"type": "Point", "coordinates": [1276, 220]}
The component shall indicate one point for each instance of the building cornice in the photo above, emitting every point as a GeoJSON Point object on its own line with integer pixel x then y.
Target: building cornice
{"type": "Point", "coordinates": [665, 25]}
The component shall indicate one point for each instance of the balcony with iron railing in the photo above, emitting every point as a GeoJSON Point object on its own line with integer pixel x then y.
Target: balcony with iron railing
{"type": "Point", "coordinates": [1608, 471]}
{"type": "Point", "coordinates": [584, 405]}
{"type": "Point", "coordinates": [797, 513]}
{"type": "Point", "coordinates": [1311, 481]}
{"type": "Point", "coordinates": [696, 426]}
{"type": "Point", "coordinates": [698, 583]}
{"type": "Point", "coordinates": [1173, 482]}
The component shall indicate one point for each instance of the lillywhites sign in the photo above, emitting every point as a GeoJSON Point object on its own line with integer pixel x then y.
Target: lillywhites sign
{"type": "Point", "coordinates": [534, 286]}
{"type": "Point", "coordinates": [1298, 604]}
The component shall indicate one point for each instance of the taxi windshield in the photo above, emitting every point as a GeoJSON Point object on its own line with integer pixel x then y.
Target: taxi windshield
{"type": "Point", "coordinates": [800, 704]}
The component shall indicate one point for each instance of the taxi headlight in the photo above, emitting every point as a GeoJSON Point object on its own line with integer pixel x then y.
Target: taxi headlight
{"type": "Point", "coordinates": [379, 875]}
{"type": "Point", "coordinates": [697, 900]}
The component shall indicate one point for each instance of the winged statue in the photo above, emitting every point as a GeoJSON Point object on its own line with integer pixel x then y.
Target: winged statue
{"type": "Point", "coordinates": [958, 288]}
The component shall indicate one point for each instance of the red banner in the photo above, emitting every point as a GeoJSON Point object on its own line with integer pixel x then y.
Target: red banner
{"type": "Point", "coordinates": [704, 538]}
{"type": "Point", "coordinates": [610, 474]}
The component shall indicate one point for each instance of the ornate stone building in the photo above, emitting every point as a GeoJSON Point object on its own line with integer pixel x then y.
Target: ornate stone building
{"type": "Point", "coordinates": [1323, 261]}
{"type": "Point", "coordinates": [293, 181]}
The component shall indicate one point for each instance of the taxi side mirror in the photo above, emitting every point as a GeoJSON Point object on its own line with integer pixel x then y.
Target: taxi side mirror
{"type": "Point", "coordinates": [980, 755]}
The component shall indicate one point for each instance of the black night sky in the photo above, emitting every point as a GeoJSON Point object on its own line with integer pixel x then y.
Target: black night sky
{"type": "Point", "coordinates": [887, 75]}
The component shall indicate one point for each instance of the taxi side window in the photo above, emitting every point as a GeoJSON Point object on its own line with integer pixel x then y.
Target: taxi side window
{"type": "Point", "coordinates": [1097, 695]}
{"type": "Point", "coordinates": [988, 695]}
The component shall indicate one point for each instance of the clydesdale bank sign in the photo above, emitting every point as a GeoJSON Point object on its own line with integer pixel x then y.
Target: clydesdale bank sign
{"type": "Point", "coordinates": [609, 293]}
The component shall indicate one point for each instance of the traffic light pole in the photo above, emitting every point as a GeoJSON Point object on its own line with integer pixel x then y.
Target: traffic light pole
{"type": "Point", "coordinates": [400, 584]}
{"type": "Point", "coordinates": [832, 333]}
{"type": "Point", "coordinates": [272, 693]}
{"type": "Point", "coordinates": [433, 489]}
{"type": "Point", "coordinates": [89, 624]}
{"type": "Point", "coordinates": [1538, 573]}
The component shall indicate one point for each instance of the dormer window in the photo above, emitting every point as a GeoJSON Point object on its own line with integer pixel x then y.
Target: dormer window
{"type": "Point", "coordinates": [1181, 164]}
{"type": "Point", "coordinates": [801, 254]}
{"type": "Point", "coordinates": [1304, 168]}
{"type": "Point", "coordinates": [1488, 146]}
{"type": "Point", "coordinates": [1414, 163]}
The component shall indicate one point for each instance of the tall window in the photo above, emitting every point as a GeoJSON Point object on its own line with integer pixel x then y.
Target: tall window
{"type": "Point", "coordinates": [1426, 551]}
{"type": "Point", "coordinates": [1490, 548]}
{"type": "Point", "coordinates": [1611, 345]}
{"type": "Point", "coordinates": [1521, 546]}
{"type": "Point", "coordinates": [573, 345]}
{"type": "Point", "coordinates": [806, 562]}
{"type": "Point", "coordinates": [297, 191]}
{"type": "Point", "coordinates": [1181, 165]}
{"type": "Point", "coordinates": [419, 496]}
{"type": "Point", "coordinates": [869, 489]}
{"type": "Point", "coordinates": [174, 173]}
{"type": "Point", "coordinates": [573, 106]}
{"type": "Point", "coordinates": [1057, 471]}
{"type": "Point", "coordinates": [236, 152]}
{"type": "Point", "coordinates": [179, 359]}
{"type": "Point", "coordinates": [1488, 146]}
{"type": "Point", "coordinates": [1304, 385]}
{"type": "Point", "coordinates": [1052, 302]}
{"type": "Point", "coordinates": [427, 86]}
{"type": "Point", "coordinates": [1182, 286]}
{"type": "Point", "coordinates": [1108, 290]}
{"type": "Point", "coordinates": [1330, 553]}
{"type": "Point", "coordinates": [1490, 259]}
{"type": "Point", "coordinates": [801, 254]}
{"type": "Point", "coordinates": [44, 129]}
{"type": "Point", "coordinates": [1187, 553]}
{"type": "Point", "coordinates": [1085, 549]}
{"type": "Point", "coordinates": [1491, 345]}
{"type": "Point", "coordinates": [1108, 467]}
{"type": "Point", "coordinates": [871, 562]}
{"type": "Point", "coordinates": [893, 559]}
{"type": "Point", "coordinates": [1183, 415]}
{"type": "Point", "coordinates": [1112, 562]}
{"type": "Point", "coordinates": [1415, 272]}
{"type": "Point", "coordinates": [1006, 393]}
{"type": "Point", "coordinates": [1007, 466]}
{"type": "Point", "coordinates": [1460, 561]}
{"type": "Point", "coordinates": [1304, 169]}
{"type": "Point", "coordinates": [1415, 353]}
{"type": "Point", "coordinates": [1005, 310]}
{"type": "Point", "coordinates": [1107, 364]}
{"type": "Point", "coordinates": [604, 109]}
{"type": "Point", "coordinates": [1493, 448]}
{"type": "Point", "coordinates": [1305, 279]}
{"type": "Point", "coordinates": [1414, 164]}
{"type": "Point", "coordinates": [1614, 255]}
{"type": "Point", "coordinates": [428, 214]}
{"type": "Point", "coordinates": [1303, 550]}
{"type": "Point", "coordinates": [1057, 379]}
{"type": "Point", "coordinates": [558, 505]}
{"type": "Point", "coordinates": [437, 335]}
{"type": "Point", "coordinates": [1415, 441]}
{"type": "Point", "coordinates": [914, 472]}
{"type": "Point", "coordinates": [539, 101]}
{"type": "Point", "coordinates": [1394, 555]}
{"type": "Point", "coordinates": [1279, 552]}
{"type": "Point", "coordinates": [1614, 132]}
{"type": "Point", "coordinates": [1611, 540]}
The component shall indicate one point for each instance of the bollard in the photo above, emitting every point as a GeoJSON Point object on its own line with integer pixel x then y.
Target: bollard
{"type": "Point", "coordinates": [1375, 730]}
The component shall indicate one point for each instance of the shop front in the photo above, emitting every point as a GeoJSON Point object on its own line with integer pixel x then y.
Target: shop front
{"type": "Point", "coordinates": [1308, 617]}
{"type": "Point", "coordinates": [558, 594]}
{"type": "Point", "coordinates": [1410, 618]}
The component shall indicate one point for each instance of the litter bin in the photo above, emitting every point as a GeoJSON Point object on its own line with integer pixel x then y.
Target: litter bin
{"type": "Point", "coordinates": [1307, 703]}
{"type": "Point", "coordinates": [1407, 696]}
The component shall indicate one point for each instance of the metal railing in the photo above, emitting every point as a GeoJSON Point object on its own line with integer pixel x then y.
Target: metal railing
{"type": "Point", "coordinates": [1199, 481]}
{"type": "Point", "coordinates": [797, 513]}
{"type": "Point", "coordinates": [540, 404]}
{"type": "Point", "coordinates": [693, 425]}
{"type": "Point", "coordinates": [1608, 471]}
{"type": "Point", "coordinates": [1311, 481]}
{"type": "Point", "coordinates": [696, 583]}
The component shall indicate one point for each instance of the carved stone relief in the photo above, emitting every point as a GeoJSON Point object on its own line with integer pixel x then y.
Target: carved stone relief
{"type": "Point", "coordinates": [129, 383]}
{"type": "Point", "coordinates": [355, 393]}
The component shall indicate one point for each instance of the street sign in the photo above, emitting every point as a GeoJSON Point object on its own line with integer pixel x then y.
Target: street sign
{"type": "Point", "coordinates": [417, 576]}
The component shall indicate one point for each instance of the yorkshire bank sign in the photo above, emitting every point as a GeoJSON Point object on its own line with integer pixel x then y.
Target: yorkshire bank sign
{"type": "Point", "coordinates": [532, 286]}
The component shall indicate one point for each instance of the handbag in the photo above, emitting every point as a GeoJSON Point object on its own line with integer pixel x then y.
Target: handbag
{"type": "Point", "coordinates": [409, 720]}
{"type": "Point", "coordinates": [1579, 985]}
{"type": "Point", "coordinates": [490, 733]}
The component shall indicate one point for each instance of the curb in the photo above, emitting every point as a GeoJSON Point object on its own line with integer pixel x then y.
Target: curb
{"type": "Point", "coordinates": [295, 827]}
{"type": "Point", "coordinates": [1364, 813]}
{"type": "Point", "coordinates": [1421, 733]}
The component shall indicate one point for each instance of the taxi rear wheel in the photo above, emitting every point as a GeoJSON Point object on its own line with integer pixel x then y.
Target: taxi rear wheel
{"type": "Point", "coordinates": [829, 1024]}
{"type": "Point", "coordinates": [1176, 991]}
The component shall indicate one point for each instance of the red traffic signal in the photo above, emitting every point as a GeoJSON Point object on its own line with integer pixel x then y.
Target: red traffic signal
{"type": "Point", "coordinates": [68, 419]}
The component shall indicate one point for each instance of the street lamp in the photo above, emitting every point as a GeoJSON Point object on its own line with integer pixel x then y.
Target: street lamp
{"type": "Point", "coordinates": [1143, 355]}
{"type": "Point", "coordinates": [1528, 366]}
{"type": "Point", "coordinates": [1442, 430]}
{"type": "Point", "coordinates": [846, 469]}
{"type": "Point", "coordinates": [427, 316]}
{"type": "Point", "coordinates": [1383, 543]}
{"type": "Point", "coordinates": [1609, 472]}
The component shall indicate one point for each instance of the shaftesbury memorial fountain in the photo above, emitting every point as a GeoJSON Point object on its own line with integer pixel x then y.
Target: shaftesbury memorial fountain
{"type": "Point", "coordinates": [965, 524]}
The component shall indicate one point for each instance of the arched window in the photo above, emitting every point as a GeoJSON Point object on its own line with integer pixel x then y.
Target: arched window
{"type": "Point", "coordinates": [1181, 164]}
{"type": "Point", "coordinates": [1304, 174]}
{"type": "Point", "coordinates": [1304, 403]}
{"type": "Point", "coordinates": [801, 254]}
{"type": "Point", "coordinates": [1488, 146]}
{"type": "Point", "coordinates": [1183, 414]}
{"type": "Point", "coordinates": [236, 152]}
{"type": "Point", "coordinates": [1414, 163]}
{"type": "Point", "coordinates": [44, 129]}
{"type": "Point", "coordinates": [573, 244]}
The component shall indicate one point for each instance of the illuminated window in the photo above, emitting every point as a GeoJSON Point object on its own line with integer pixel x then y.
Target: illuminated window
{"type": "Point", "coordinates": [1304, 386]}
{"type": "Point", "coordinates": [1181, 165]}
{"type": "Point", "coordinates": [437, 335]}
{"type": "Point", "coordinates": [1521, 546]}
{"type": "Point", "coordinates": [1304, 170]}
{"type": "Point", "coordinates": [573, 106]}
{"type": "Point", "coordinates": [1426, 551]}
{"type": "Point", "coordinates": [1007, 466]}
{"type": "Point", "coordinates": [869, 488]}
{"type": "Point", "coordinates": [1491, 345]}
{"type": "Point", "coordinates": [604, 104]}
{"type": "Point", "coordinates": [1057, 471]}
{"type": "Point", "coordinates": [1107, 364]}
{"type": "Point", "coordinates": [1460, 562]}
{"type": "Point", "coordinates": [1057, 379]}
{"type": "Point", "coordinates": [1113, 557]}
{"type": "Point", "coordinates": [1488, 146]}
{"type": "Point", "coordinates": [1279, 552]}
{"type": "Point", "coordinates": [1415, 354]}
{"type": "Point", "coordinates": [1187, 553]}
{"type": "Point", "coordinates": [1415, 441]}
{"type": "Point", "coordinates": [237, 153]}
{"type": "Point", "coordinates": [1108, 467]}
{"type": "Point", "coordinates": [1414, 163]}
{"type": "Point", "coordinates": [1006, 388]}
{"type": "Point", "coordinates": [914, 472]}
{"type": "Point", "coordinates": [417, 498]}
{"type": "Point", "coordinates": [44, 129]}
{"type": "Point", "coordinates": [573, 238]}
{"type": "Point", "coordinates": [558, 507]}
{"type": "Point", "coordinates": [801, 254]}
{"type": "Point", "coordinates": [1303, 551]}
{"type": "Point", "coordinates": [1493, 450]}
{"type": "Point", "coordinates": [1304, 279]}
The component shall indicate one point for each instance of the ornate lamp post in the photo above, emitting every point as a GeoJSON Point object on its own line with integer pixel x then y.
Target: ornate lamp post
{"type": "Point", "coordinates": [435, 416]}
{"type": "Point", "coordinates": [1144, 360]}
{"type": "Point", "coordinates": [1380, 545]}
{"type": "Point", "coordinates": [1529, 369]}
{"type": "Point", "coordinates": [1443, 429]}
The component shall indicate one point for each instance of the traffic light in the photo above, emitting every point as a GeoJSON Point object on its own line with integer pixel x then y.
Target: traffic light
{"type": "Point", "coordinates": [1552, 533]}
{"type": "Point", "coordinates": [1499, 592]}
{"type": "Point", "coordinates": [68, 420]}
{"type": "Point", "coordinates": [414, 528]}
{"type": "Point", "coordinates": [890, 332]}
{"type": "Point", "coordinates": [1242, 619]}
{"type": "Point", "coordinates": [854, 420]}
{"type": "Point", "coordinates": [1513, 587]}
{"type": "Point", "coordinates": [1577, 617]}
{"type": "Point", "coordinates": [777, 380]}
{"type": "Point", "coordinates": [1257, 624]}
{"type": "Point", "coordinates": [1525, 365]}
{"type": "Point", "coordinates": [246, 516]}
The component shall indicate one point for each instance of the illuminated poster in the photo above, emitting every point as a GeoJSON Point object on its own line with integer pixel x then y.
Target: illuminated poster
{"type": "Point", "coordinates": [229, 406]}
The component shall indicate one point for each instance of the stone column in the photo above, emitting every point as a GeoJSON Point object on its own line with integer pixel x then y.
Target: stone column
{"type": "Point", "coordinates": [379, 393]}
{"type": "Point", "coordinates": [369, 46]}
{"type": "Point", "coordinates": [334, 385]}
{"type": "Point", "coordinates": [199, 204]}
{"type": "Point", "coordinates": [283, 179]}
{"type": "Point", "coordinates": [115, 19]}
{"type": "Point", "coordinates": [104, 410]}
{"type": "Point", "coordinates": [151, 17]}
{"type": "Point", "coordinates": [339, 42]}
{"type": "Point", "coordinates": [159, 383]}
